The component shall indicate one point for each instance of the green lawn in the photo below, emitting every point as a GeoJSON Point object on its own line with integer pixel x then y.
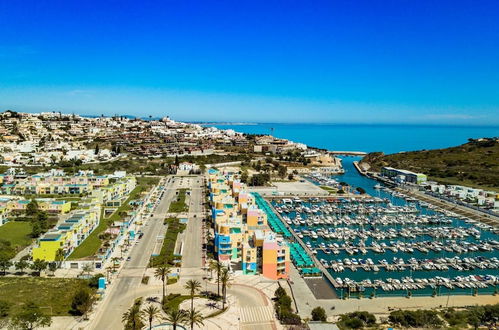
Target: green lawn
{"type": "Point", "coordinates": [92, 243]}
{"type": "Point", "coordinates": [14, 236]}
{"type": "Point", "coordinates": [166, 255]}
{"type": "Point", "coordinates": [174, 300]}
{"type": "Point", "coordinates": [179, 205]}
{"type": "Point", "coordinates": [54, 295]}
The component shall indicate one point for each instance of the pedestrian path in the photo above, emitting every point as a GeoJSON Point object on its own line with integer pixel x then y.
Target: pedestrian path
{"type": "Point", "coordinates": [258, 314]}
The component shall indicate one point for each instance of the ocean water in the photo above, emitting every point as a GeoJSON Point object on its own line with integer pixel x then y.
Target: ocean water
{"type": "Point", "coordinates": [369, 138]}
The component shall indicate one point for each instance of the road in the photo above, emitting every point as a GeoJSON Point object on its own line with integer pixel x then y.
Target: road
{"type": "Point", "coordinates": [255, 310]}
{"type": "Point", "coordinates": [456, 208]}
{"type": "Point", "coordinates": [192, 252]}
{"type": "Point", "coordinates": [118, 300]}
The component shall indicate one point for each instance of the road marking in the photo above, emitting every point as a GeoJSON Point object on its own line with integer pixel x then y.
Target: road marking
{"type": "Point", "coordinates": [256, 314]}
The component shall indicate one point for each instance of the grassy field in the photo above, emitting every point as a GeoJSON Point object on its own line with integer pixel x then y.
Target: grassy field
{"type": "Point", "coordinates": [474, 164]}
{"type": "Point", "coordinates": [14, 236]}
{"type": "Point", "coordinates": [54, 295]}
{"type": "Point", "coordinates": [174, 300]}
{"type": "Point", "coordinates": [166, 254]}
{"type": "Point", "coordinates": [92, 243]}
{"type": "Point", "coordinates": [179, 206]}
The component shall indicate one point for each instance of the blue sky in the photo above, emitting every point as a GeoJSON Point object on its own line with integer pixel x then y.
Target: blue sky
{"type": "Point", "coordinates": [269, 61]}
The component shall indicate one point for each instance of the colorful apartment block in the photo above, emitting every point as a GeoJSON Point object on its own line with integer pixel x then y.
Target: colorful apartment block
{"type": "Point", "coordinates": [67, 235]}
{"type": "Point", "coordinates": [275, 257]}
{"type": "Point", "coordinates": [56, 183]}
{"type": "Point", "coordinates": [242, 235]}
{"type": "Point", "coordinates": [46, 204]}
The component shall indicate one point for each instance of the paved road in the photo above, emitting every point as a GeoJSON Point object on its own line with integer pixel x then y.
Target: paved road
{"type": "Point", "coordinates": [192, 250]}
{"type": "Point", "coordinates": [255, 310]}
{"type": "Point", "coordinates": [119, 299]}
{"type": "Point", "coordinates": [456, 208]}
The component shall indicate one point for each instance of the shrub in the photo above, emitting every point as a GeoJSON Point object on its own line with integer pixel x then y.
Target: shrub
{"type": "Point", "coordinates": [319, 314]}
{"type": "Point", "coordinates": [419, 318]}
{"type": "Point", "coordinates": [82, 301]}
{"type": "Point", "coordinates": [279, 292]}
{"type": "Point", "coordinates": [4, 309]}
{"type": "Point", "coordinates": [288, 317]}
{"type": "Point", "coordinates": [358, 320]}
{"type": "Point", "coordinates": [93, 281]}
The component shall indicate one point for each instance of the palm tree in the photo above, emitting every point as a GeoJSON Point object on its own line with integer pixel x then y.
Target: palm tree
{"type": "Point", "coordinates": [193, 286]}
{"type": "Point", "coordinates": [195, 317]}
{"type": "Point", "coordinates": [162, 273]}
{"type": "Point", "coordinates": [59, 256]}
{"type": "Point", "coordinates": [132, 317]}
{"type": "Point", "coordinates": [225, 280]}
{"type": "Point", "coordinates": [150, 313]}
{"type": "Point", "coordinates": [114, 260]}
{"type": "Point", "coordinates": [176, 316]}
{"type": "Point", "coordinates": [217, 267]}
{"type": "Point", "coordinates": [87, 268]}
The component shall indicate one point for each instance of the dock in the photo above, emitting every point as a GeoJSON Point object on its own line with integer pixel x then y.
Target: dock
{"type": "Point", "coordinates": [348, 153]}
{"type": "Point", "coordinates": [318, 264]}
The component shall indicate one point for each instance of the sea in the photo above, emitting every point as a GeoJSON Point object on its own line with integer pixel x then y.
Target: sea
{"type": "Point", "coordinates": [369, 138]}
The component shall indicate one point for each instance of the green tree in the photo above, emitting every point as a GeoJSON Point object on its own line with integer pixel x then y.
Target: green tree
{"type": "Point", "coordinates": [21, 265]}
{"type": "Point", "coordinates": [282, 171]}
{"type": "Point", "coordinates": [39, 266]}
{"type": "Point", "coordinates": [225, 281]}
{"type": "Point", "coordinates": [176, 317]}
{"type": "Point", "coordinates": [115, 261]}
{"type": "Point", "coordinates": [193, 286]}
{"type": "Point", "coordinates": [32, 208]}
{"type": "Point", "coordinates": [4, 264]}
{"type": "Point", "coordinates": [36, 230]}
{"type": "Point", "coordinates": [96, 149]}
{"type": "Point", "coordinates": [319, 314]}
{"type": "Point", "coordinates": [162, 273]}
{"type": "Point", "coordinates": [150, 313]}
{"type": "Point", "coordinates": [244, 176]}
{"type": "Point", "coordinates": [195, 318]}
{"type": "Point", "coordinates": [31, 317]}
{"type": "Point", "coordinates": [52, 267]}
{"type": "Point", "coordinates": [59, 256]}
{"type": "Point", "coordinates": [87, 268]}
{"type": "Point", "coordinates": [133, 318]}
{"type": "Point", "coordinates": [217, 266]}
{"type": "Point", "coordinates": [82, 302]}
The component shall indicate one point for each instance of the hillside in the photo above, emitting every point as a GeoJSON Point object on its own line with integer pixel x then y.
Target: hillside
{"type": "Point", "coordinates": [475, 163]}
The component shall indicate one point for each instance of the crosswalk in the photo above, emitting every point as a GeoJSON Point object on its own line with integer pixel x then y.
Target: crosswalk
{"type": "Point", "coordinates": [256, 314]}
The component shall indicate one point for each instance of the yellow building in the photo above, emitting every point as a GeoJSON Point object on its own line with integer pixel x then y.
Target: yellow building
{"type": "Point", "coordinates": [68, 235]}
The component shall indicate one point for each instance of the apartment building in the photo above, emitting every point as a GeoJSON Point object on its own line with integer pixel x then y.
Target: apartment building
{"type": "Point", "coordinates": [59, 242]}
{"type": "Point", "coordinates": [242, 235]}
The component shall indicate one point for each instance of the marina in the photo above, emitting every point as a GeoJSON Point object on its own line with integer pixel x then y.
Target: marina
{"type": "Point", "coordinates": [389, 244]}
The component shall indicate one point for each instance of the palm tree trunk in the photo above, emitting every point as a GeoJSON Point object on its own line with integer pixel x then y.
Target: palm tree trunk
{"type": "Point", "coordinates": [150, 323]}
{"type": "Point", "coordinates": [163, 289]}
{"type": "Point", "coordinates": [192, 302]}
{"type": "Point", "coordinates": [223, 300]}
{"type": "Point", "coordinates": [218, 283]}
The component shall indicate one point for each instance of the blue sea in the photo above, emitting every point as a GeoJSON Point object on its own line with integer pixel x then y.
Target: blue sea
{"type": "Point", "coordinates": [369, 138]}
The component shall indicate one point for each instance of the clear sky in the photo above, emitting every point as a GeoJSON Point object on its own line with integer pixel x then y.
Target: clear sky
{"type": "Point", "coordinates": [260, 61]}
